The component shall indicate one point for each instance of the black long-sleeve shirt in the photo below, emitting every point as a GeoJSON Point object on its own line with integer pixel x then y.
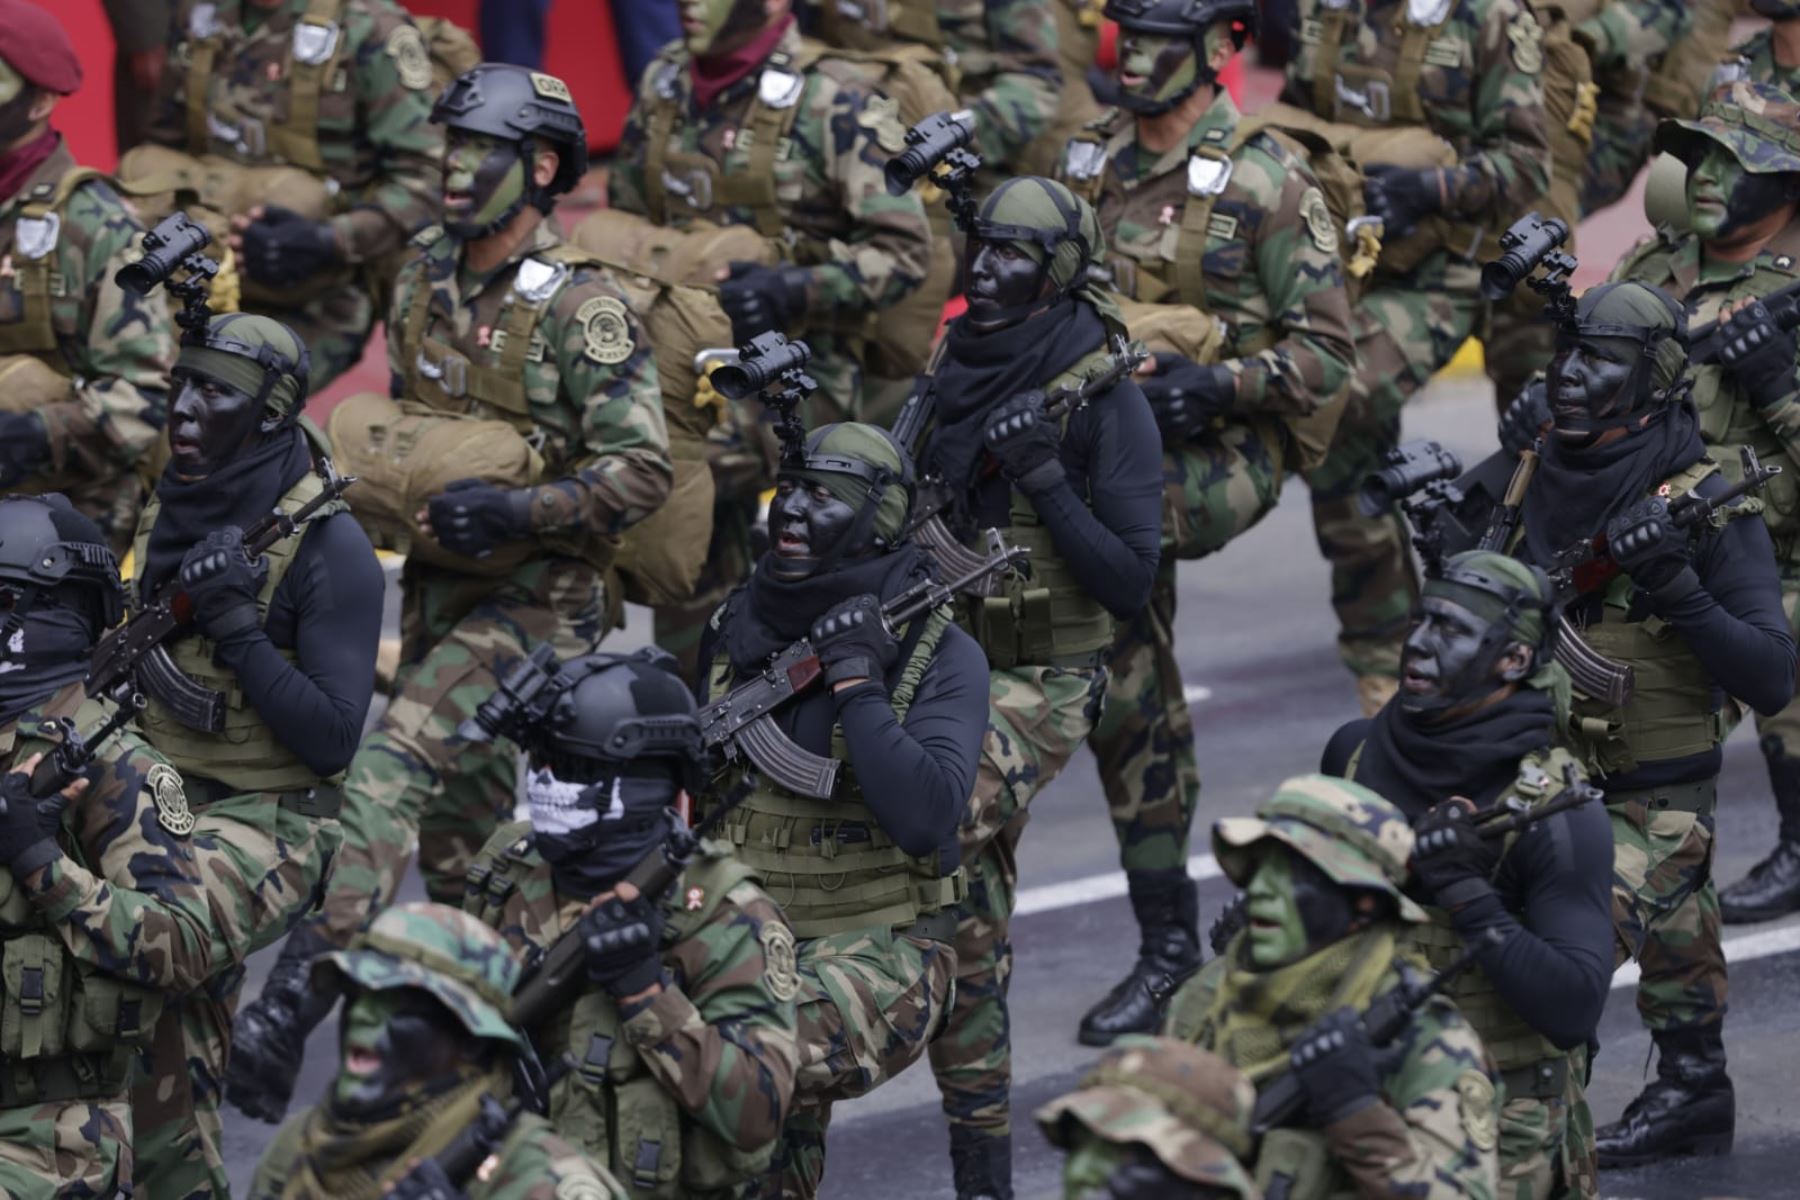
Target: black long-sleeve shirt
{"type": "Point", "coordinates": [326, 611]}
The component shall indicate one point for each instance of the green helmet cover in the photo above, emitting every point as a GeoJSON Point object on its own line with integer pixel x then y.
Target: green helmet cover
{"type": "Point", "coordinates": [256, 355]}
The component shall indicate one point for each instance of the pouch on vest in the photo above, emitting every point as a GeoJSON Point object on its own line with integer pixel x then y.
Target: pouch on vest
{"type": "Point", "coordinates": [34, 1011]}
{"type": "Point", "coordinates": [404, 453]}
{"type": "Point", "coordinates": [693, 254]}
{"type": "Point", "coordinates": [1295, 1163]}
{"type": "Point", "coordinates": [106, 1013]}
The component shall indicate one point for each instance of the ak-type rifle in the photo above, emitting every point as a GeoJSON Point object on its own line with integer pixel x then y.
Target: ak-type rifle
{"type": "Point", "coordinates": [138, 646]}
{"type": "Point", "coordinates": [70, 758]}
{"type": "Point", "coordinates": [741, 724]}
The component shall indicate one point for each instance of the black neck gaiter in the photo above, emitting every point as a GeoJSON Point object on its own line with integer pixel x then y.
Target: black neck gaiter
{"type": "Point", "coordinates": [43, 653]}
{"type": "Point", "coordinates": [1415, 764]}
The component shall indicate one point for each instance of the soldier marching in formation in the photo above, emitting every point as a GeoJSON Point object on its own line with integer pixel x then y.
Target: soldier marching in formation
{"type": "Point", "coordinates": [761, 870]}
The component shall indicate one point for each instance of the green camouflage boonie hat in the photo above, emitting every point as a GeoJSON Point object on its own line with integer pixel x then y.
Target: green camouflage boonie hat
{"type": "Point", "coordinates": [1347, 831]}
{"type": "Point", "coordinates": [1758, 122]}
{"type": "Point", "coordinates": [258, 356]}
{"type": "Point", "coordinates": [1187, 1106]}
{"type": "Point", "coordinates": [438, 949]}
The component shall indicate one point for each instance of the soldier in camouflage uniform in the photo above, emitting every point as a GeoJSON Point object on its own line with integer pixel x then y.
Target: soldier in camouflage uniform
{"type": "Point", "coordinates": [687, 1022]}
{"type": "Point", "coordinates": [1322, 865]}
{"type": "Point", "coordinates": [1081, 490]}
{"type": "Point", "coordinates": [1696, 614]}
{"type": "Point", "coordinates": [868, 875]}
{"type": "Point", "coordinates": [1772, 55]}
{"type": "Point", "coordinates": [1471, 731]}
{"type": "Point", "coordinates": [101, 901]}
{"type": "Point", "coordinates": [1155, 1117]}
{"type": "Point", "coordinates": [84, 364]}
{"type": "Point", "coordinates": [1471, 74]}
{"type": "Point", "coordinates": [338, 88]}
{"type": "Point", "coordinates": [1269, 275]}
{"type": "Point", "coordinates": [425, 1039]}
{"type": "Point", "coordinates": [500, 319]}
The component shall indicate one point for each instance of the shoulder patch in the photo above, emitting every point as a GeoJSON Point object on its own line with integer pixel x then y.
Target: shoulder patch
{"type": "Point", "coordinates": [1480, 1116]}
{"type": "Point", "coordinates": [781, 960]}
{"type": "Point", "coordinates": [1319, 225]}
{"type": "Point", "coordinates": [881, 117]}
{"type": "Point", "coordinates": [407, 48]}
{"type": "Point", "coordinates": [1527, 38]}
{"type": "Point", "coordinates": [163, 782]}
{"type": "Point", "coordinates": [605, 330]}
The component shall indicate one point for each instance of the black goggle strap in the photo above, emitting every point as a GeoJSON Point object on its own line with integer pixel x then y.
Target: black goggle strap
{"type": "Point", "coordinates": [996, 231]}
{"type": "Point", "coordinates": [1501, 628]}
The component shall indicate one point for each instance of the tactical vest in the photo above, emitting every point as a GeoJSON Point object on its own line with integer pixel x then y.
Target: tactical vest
{"type": "Point", "coordinates": [314, 53]}
{"type": "Point", "coordinates": [36, 258]}
{"type": "Point", "coordinates": [610, 1105]}
{"type": "Point", "coordinates": [881, 25]}
{"type": "Point", "coordinates": [828, 863]}
{"type": "Point", "coordinates": [67, 1032]}
{"type": "Point", "coordinates": [244, 754]}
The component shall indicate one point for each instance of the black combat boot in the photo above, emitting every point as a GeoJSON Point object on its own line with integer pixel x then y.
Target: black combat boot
{"type": "Point", "coordinates": [268, 1037]}
{"type": "Point", "coordinates": [1772, 888]}
{"type": "Point", "coordinates": [1689, 1108]}
{"type": "Point", "coordinates": [982, 1164]}
{"type": "Point", "coordinates": [1167, 905]}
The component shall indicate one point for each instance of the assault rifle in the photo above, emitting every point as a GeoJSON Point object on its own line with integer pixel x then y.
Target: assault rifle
{"type": "Point", "coordinates": [1282, 1100]}
{"type": "Point", "coordinates": [478, 1141]}
{"type": "Point", "coordinates": [69, 760]}
{"type": "Point", "coordinates": [741, 723]}
{"type": "Point", "coordinates": [1704, 342]}
{"type": "Point", "coordinates": [1516, 816]}
{"type": "Point", "coordinates": [934, 494]}
{"type": "Point", "coordinates": [138, 645]}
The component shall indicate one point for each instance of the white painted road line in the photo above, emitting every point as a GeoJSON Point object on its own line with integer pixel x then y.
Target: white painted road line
{"type": "Point", "coordinates": [1196, 693]}
{"type": "Point", "coordinates": [1111, 886]}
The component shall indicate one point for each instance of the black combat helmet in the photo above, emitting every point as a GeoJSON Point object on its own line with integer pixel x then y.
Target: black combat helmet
{"type": "Point", "coordinates": [617, 714]}
{"type": "Point", "coordinates": [1184, 18]}
{"type": "Point", "coordinates": [521, 106]}
{"type": "Point", "coordinates": [50, 552]}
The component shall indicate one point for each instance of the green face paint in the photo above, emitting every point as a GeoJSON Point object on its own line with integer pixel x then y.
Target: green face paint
{"type": "Point", "coordinates": [715, 26]}
{"type": "Point", "coordinates": [1155, 72]}
{"type": "Point", "coordinates": [394, 1045]}
{"type": "Point", "coordinates": [1723, 197]}
{"type": "Point", "coordinates": [1088, 1171]}
{"type": "Point", "coordinates": [1277, 933]}
{"type": "Point", "coordinates": [484, 179]}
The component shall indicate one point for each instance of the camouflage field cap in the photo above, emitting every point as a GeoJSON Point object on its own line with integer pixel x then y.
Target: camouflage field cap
{"type": "Point", "coordinates": [1187, 1106]}
{"type": "Point", "coordinates": [1758, 122]}
{"type": "Point", "coordinates": [1347, 831]}
{"type": "Point", "coordinates": [437, 949]}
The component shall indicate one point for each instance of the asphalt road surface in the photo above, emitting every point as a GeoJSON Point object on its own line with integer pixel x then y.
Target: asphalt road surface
{"type": "Point", "coordinates": [1256, 643]}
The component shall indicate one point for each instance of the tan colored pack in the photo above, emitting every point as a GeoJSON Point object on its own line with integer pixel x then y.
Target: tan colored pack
{"type": "Point", "coordinates": [451, 49]}
{"type": "Point", "coordinates": [1173, 328]}
{"type": "Point", "coordinates": [694, 255]}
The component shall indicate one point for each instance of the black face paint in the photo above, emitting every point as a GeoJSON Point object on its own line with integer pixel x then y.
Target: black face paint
{"type": "Point", "coordinates": [397, 1047]}
{"type": "Point", "coordinates": [1448, 659]}
{"type": "Point", "coordinates": [1723, 197]}
{"type": "Point", "coordinates": [484, 184]}
{"type": "Point", "coordinates": [209, 425]}
{"type": "Point", "coordinates": [1003, 279]}
{"type": "Point", "coordinates": [1156, 72]}
{"type": "Point", "coordinates": [1326, 911]}
{"type": "Point", "coordinates": [807, 525]}
{"type": "Point", "coordinates": [15, 116]}
{"type": "Point", "coordinates": [1588, 381]}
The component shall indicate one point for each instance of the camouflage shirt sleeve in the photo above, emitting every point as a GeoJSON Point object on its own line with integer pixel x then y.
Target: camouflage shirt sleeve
{"type": "Point", "coordinates": [394, 108]}
{"type": "Point", "coordinates": [142, 917]}
{"type": "Point", "coordinates": [1302, 277]}
{"type": "Point", "coordinates": [535, 1163]}
{"type": "Point", "coordinates": [168, 111]}
{"type": "Point", "coordinates": [1633, 33]}
{"type": "Point", "coordinates": [621, 472]}
{"type": "Point", "coordinates": [1510, 163]}
{"type": "Point", "coordinates": [120, 346]}
{"type": "Point", "coordinates": [1433, 1133]}
{"type": "Point", "coordinates": [1011, 67]}
{"type": "Point", "coordinates": [722, 1038]}
{"type": "Point", "coordinates": [625, 177]}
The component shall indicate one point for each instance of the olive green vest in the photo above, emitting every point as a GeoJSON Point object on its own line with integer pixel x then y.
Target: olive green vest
{"type": "Point", "coordinates": [898, 20]}
{"type": "Point", "coordinates": [35, 256]}
{"type": "Point", "coordinates": [67, 1032]}
{"type": "Point", "coordinates": [610, 1105]}
{"type": "Point", "coordinates": [320, 31]}
{"type": "Point", "coordinates": [245, 755]}
{"type": "Point", "coordinates": [828, 863]}
{"type": "Point", "coordinates": [1047, 619]}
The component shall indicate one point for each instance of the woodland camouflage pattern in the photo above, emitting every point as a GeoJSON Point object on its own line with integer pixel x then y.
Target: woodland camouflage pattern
{"type": "Point", "coordinates": [867, 249]}
{"type": "Point", "coordinates": [1758, 55]}
{"type": "Point", "coordinates": [374, 134]}
{"type": "Point", "coordinates": [719, 1038]}
{"type": "Point", "coordinates": [1347, 831]}
{"type": "Point", "coordinates": [1007, 53]}
{"type": "Point", "coordinates": [1632, 43]}
{"type": "Point", "coordinates": [1666, 911]}
{"type": "Point", "coordinates": [118, 346]}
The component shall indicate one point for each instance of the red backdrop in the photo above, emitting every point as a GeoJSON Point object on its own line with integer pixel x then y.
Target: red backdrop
{"type": "Point", "coordinates": [581, 51]}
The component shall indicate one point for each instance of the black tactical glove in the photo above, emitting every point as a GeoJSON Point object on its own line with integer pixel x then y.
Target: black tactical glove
{"type": "Point", "coordinates": [1449, 850]}
{"type": "Point", "coordinates": [28, 826]}
{"type": "Point", "coordinates": [472, 518]}
{"type": "Point", "coordinates": [1400, 197]}
{"type": "Point", "coordinates": [24, 446]}
{"type": "Point", "coordinates": [761, 299]}
{"type": "Point", "coordinates": [1185, 396]}
{"type": "Point", "coordinates": [1759, 354]}
{"type": "Point", "coordinates": [853, 642]}
{"type": "Point", "coordinates": [426, 1181]}
{"type": "Point", "coordinates": [282, 248]}
{"type": "Point", "coordinates": [1644, 542]}
{"type": "Point", "coordinates": [220, 579]}
{"type": "Point", "coordinates": [624, 944]}
{"type": "Point", "coordinates": [1025, 442]}
{"type": "Point", "coordinates": [1335, 1064]}
{"type": "Point", "coordinates": [1145, 1178]}
{"type": "Point", "coordinates": [1232, 920]}
{"type": "Point", "coordinates": [1525, 418]}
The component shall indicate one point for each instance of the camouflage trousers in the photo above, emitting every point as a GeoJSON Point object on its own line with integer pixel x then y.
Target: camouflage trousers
{"type": "Point", "coordinates": [265, 868]}
{"type": "Point", "coordinates": [1665, 908]}
{"type": "Point", "coordinates": [414, 777]}
{"type": "Point", "coordinates": [869, 1003]}
{"type": "Point", "coordinates": [335, 326]}
{"type": "Point", "coordinates": [1547, 1143]}
{"type": "Point", "coordinates": [1784, 726]}
{"type": "Point", "coordinates": [679, 628]}
{"type": "Point", "coordinates": [1405, 334]}
{"type": "Point", "coordinates": [1622, 130]}
{"type": "Point", "coordinates": [68, 1150]}
{"type": "Point", "coordinates": [1037, 718]}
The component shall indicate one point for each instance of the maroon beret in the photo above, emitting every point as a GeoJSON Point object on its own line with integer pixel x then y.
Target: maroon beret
{"type": "Point", "coordinates": [34, 44]}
